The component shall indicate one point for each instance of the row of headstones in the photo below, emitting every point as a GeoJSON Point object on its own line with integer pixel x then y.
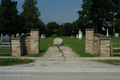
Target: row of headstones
{"type": "Point", "coordinates": [116, 34]}
{"type": "Point", "coordinates": [79, 35]}
{"type": "Point", "coordinates": [42, 36]}
{"type": "Point", "coordinates": [6, 38]}
{"type": "Point", "coordinates": [17, 35]}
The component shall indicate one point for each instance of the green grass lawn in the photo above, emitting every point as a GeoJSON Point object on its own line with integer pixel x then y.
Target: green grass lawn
{"type": "Point", "coordinates": [13, 61]}
{"type": "Point", "coordinates": [5, 51]}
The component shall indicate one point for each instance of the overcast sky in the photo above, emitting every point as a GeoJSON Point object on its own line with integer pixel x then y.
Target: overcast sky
{"type": "Point", "coordinates": [60, 11]}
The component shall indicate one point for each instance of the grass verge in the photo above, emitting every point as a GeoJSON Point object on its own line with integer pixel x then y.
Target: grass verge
{"type": "Point", "coordinates": [13, 61]}
{"type": "Point", "coordinates": [114, 62]}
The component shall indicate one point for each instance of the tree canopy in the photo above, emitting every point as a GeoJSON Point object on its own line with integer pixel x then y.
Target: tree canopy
{"type": "Point", "coordinates": [30, 15]}
{"type": "Point", "coordinates": [95, 12]}
{"type": "Point", "coordinates": [8, 15]}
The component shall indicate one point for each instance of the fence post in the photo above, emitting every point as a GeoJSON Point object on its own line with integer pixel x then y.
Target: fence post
{"type": "Point", "coordinates": [111, 48]}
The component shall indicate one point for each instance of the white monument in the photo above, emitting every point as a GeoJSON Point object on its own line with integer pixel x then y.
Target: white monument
{"type": "Point", "coordinates": [107, 34]}
{"type": "Point", "coordinates": [42, 36]}
{"type": "Point", "coordinates": [116, 34]}
{"type": "Point", "coordinates": [71, 36]}
{"type": "Point", "coordinates": [1, 37]}
{"type": "Point", "coordinates": [22, 34]}
{"type": "Point", "coordinates": [80, 34]}
{"type": "Point", "coordinates": [17, 35]}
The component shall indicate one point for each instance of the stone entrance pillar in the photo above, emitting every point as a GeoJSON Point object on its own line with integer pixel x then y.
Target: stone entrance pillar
{"type": "Point", "coordinates": [89, 43]}
{"type": "Point", "coordinates": [35, 41]}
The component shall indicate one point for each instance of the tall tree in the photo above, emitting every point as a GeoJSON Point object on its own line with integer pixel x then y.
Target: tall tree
{"type": "Point", "coordinates": [52, 28]}
{"type": "Point", "coordinates": [30, 15]}
{"type": "Point", "coordinates": [96, 11]}
{"type": "Point", "coordinates": [8, 15]}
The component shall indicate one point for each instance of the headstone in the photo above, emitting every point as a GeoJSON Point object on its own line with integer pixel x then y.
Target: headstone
{"type": "Point", "coordinates": [5, 39]}
{"type": "Point", "coordinates": [1, 37]}
{"type": "Point", "coordinates": [80, 34]}
{"type": "Point", "coordinates": [58, 41]}
{"type": "Point", "coordinates": [17, 34]}
{"type": "Point", "coordinates": [77, 35]}
{"type": "Point", "coordinates": [43, 36]}
{"type": "Point", "coordinates": [107, 34]}
{"type": "Point", "coordinates": [116, 34]}
{"type": "Point", "coordinates": [71, 36]}
{"type": "Point", "coordinates": [22, 34]}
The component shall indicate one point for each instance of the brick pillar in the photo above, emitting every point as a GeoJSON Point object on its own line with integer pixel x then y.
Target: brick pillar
{"type": "Point", "coordinates": [16, 50]}
{"type": "Point", "coordinates": [104, 47]}
{"type": "Point", "coordinates": [96, 45]}
{"type": "Point", "coordinates": [35, 41]}
{"type": "Point", "coordinates": [89, 41]}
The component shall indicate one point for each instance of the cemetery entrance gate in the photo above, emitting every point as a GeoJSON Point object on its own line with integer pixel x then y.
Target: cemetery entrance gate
{"type": "Point", "coordinates": [5, 45]}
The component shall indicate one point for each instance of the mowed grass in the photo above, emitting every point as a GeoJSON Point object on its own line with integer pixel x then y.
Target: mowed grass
{"type": "Point", "coordinates": [13, 61]}
{"type": "Point", "coordinates": [5, 51]}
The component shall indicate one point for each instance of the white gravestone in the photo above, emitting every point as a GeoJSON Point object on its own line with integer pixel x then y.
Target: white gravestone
{"type": "Point", "coordinates": [1, 37]}
{"type": "Point", "coordinates": [107, 34]}
{"type": "Point", "coordinates": [22, 34]}
{"type": "Point", "coordinates": [116, 34]}
{"type": "Point", "coordinates": [43, 36]}
{"type": "Point", "coordinates": [80, 34]}
{"type": "Point", "coordinates": [77, 36]}
{"type": "Point", "coordinates": [17, 34]}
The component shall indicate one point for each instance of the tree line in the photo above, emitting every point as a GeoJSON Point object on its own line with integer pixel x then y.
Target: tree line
{"type": "Point", "coordinates": [97, 14]}
{"type": "Point", "coordinates": [100, 14]}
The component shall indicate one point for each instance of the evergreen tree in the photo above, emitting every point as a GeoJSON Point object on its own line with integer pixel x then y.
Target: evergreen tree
{"type": "Point", "coordinates": [30, 15]}
{"type": "Point", "coordinates": [52, 28]}
{"type": "Point", "coordinates": [8, 15]}
{"type": "Point", "coordinates": [95, 12]}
